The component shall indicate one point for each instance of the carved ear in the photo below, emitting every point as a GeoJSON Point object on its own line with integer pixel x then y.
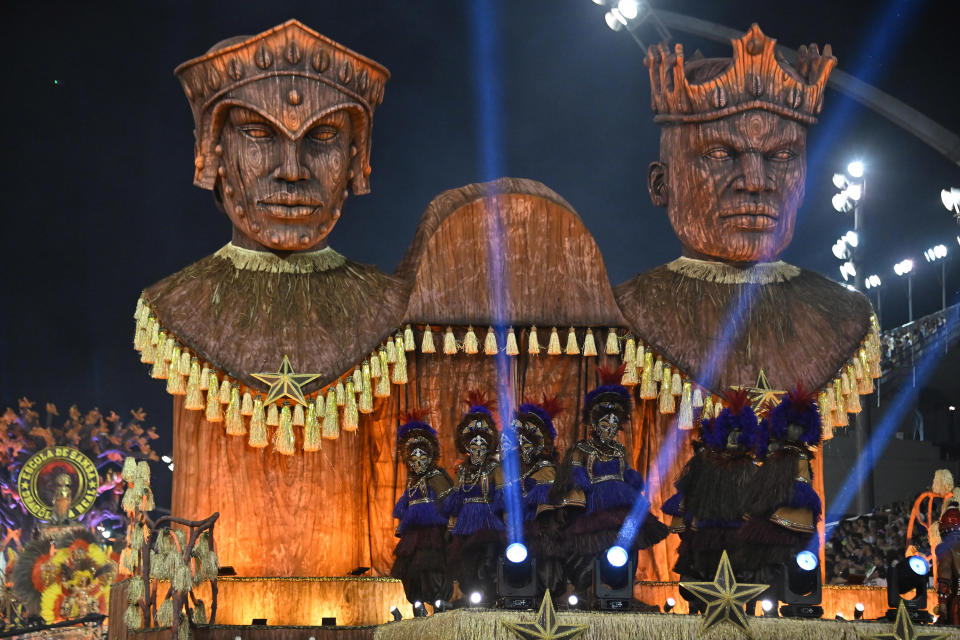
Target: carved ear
{"type": "Point", "coordinates": [657, 183]}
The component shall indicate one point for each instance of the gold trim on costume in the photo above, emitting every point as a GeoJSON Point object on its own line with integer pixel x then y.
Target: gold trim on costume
{"type": "Point", "coordinates": [307, 262]}
{"type": "Point", "coordinates": [722, 273]}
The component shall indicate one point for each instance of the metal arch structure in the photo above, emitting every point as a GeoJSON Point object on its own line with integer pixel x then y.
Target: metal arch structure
{"type": "Point", "coordinates": [946, 142]}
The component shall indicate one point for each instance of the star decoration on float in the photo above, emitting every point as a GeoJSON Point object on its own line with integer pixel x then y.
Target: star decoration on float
{"type": "Point", "coordinates": [903, 629]}
{"type": "Point", "coordinates": [761, 394]}
{"type": "Point", "coordinates": [285, 383]}
{"type": "Point", "coordinates": [724, 597]}
{"type": "Point", "coordinates": [546, 627]}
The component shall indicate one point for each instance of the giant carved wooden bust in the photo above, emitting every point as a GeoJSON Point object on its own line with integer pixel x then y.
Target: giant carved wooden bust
{"type": "Point", "coordinates": [731, 176]}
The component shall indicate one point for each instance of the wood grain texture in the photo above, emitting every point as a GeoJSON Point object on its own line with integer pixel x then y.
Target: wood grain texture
{"type": "Point", "coordinates": [513, 243]}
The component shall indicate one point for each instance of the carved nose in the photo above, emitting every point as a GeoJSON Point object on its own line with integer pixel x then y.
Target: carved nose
{"type": "Point", "coordinates": [751, 166]}
{"type": "Point", "coordinates": [290, 168]}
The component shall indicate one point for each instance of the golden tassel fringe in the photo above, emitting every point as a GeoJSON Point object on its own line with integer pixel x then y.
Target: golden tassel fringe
{"type": "Point", "coordinates": [648, 386]}
{"type": "Point", "coordinates": [589, 344]}
{"type": "Point", "coordinates": [399, 373]}
{"type": "Point", "coordinates": [717, 408]}
{"type": "Point", "coordinates": [283, 441]}
{"type": "Point", "coordinates": [470, 343]}
{"type": "Point", "coordinates": [427, 346]}
{"type": "Point", "coordinates": [351, 415]}
{"type": "Point", "coordinates": [613, 342]}
{"type": "Point", "coordinates": [311, 430]}
{"type": "Point", "coordinates": [273, 415]}
{"type": "Point", "coordinates": [685, 417]}
{"type": "Point", "coordinates": [707, 407]}
{"type": "Point", "coordinates": [320, 403]}
{"type": "Point", "coordinates": [629, 378]}
{"type": "Point", "coordinates": [175, 382]}
{"type": "Point", "coordinates": [246, 406]}
{"type": "Point", "coordinates": [676, 384]}
{"type": "Point", "coordinates": [194, 400]}
{"type": "Point", "coordinates": [366, 392]}
{"type": "Point", "coordinates": [214, 412]}
{"type": "Point", "coordinates": [667, 402]}
{"type": "Point", "coordinates": [383, 382]}
{"type": "Point", "coordinates": [572, 348]}
{"type": "Point", "coordinates": [640, 359]}
{"type": "Point", "coordinates": [533, 343]}
{"type": "Point", "coordinates": [553, 345]}
{"type": "Point", "coordinates": [697, 398]}
{"type": "Point", "coordinates": [658, 370]}
{"type": "Point", "coordinates": [205, 379]}
{"type": "Point", "coordinates": [391, 351]}
{"type": "Point", "coordinates": [375, 365]}
{"type": "Point", "coordinates": [233, 418]}
{"type": "Point", "coordinates": [490, 343]}
{"type": "Point", "coordinates": [298, 416]}
{"type": "Point", "coordinates": [258, 426]}
{"type": "Point", "coordinates": [331, 420]}
{"type": "Point", "coordinates": [630, 351]}
{"type": "Point", "coordinates": [512, 348]}
{"type": "Point", "coordinates": [409, 342]}
{"type": "Point", "coordinates": [341, 392]}
{"type": "Point", "coordinates": [449, 342]}
{"type": "Point", "coordinates": [159, 370]}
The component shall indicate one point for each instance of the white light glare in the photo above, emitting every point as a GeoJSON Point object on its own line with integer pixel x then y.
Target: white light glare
{"type": "Point", "coordinates": [573, 600]}
{"type": "Point", "coordinates": [417, 604]}
{"type": "Point", "coordinates": [951, 199]}
{"type": "Point", "coordinates": [935, 253]}
{"type": "Point", "coordinates": [840, 249]}
{"type": "Point", "coordinates": [476, 597]}
{"type": "Point", "coordinates": [671, 602]}
{"type": "Point", "coordinates": [847, 270]}
{"type": "Point", "coordinates": [919, 565]}
{"type": "Point", "coordinates": [807, 560]}
{"type": "Point", "coordinates": [600, 2]}
{"type": "Point", "coordinates": [629, 8]}
{"type": "Point", "coordinates": [167, 459]}
{"type": "Point", "coordinates": [859, 607]}
{"type": "Point", "coordinates": [840, 202]}
{"type": "Point", "coordinates": [854, 191]}
{"type": "Point", "coordinates": [170, 466]}
{"type": "Point", "coordinates": [855, 169]}
{"type": "Point", "coordinates": [952, 408]}
{"type": "Point", "coordinates": [612, 21]}
{"type": "Point", "coordinates": [766, 605]}
{"type": "Point", "coordinates": [873, 281]}
{"type": "Point", "coordinates": [851, 238]}
{"type": "Point", "coordinates": [106, 534]}
{"type": "Point", "coordinates": [903, 267]}
{"type": "Point", "coordinates": [617, 556]}
{"type": "Point", "coordinates": [516, 552]}
{"type": "Point", "coordinates": [840, 181]}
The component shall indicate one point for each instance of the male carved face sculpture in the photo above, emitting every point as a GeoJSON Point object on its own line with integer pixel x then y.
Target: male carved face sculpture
{"type": "Point", "coordinates": [733, 147]}
{"type": "Point", "coordinates": [283, 122]}
{"type": "Point", "coordinates": [732, 186]}
{"type": "Point", "coordinates": [607, 423]}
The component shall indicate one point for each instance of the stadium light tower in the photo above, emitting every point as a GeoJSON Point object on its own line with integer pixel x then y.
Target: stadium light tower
{"type": "Point", "coordinates": [852, 185]}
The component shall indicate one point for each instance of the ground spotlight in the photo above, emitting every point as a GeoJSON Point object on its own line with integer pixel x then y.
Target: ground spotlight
{"type": "Point", "coordinates": [858, 611]}
{"type": "Point", "coordinates": [669, 605]}
{"type": "Point", "coordinates": [573, 600]}
{"type": "Point", "coordinates": [766, 605]}
{"type": "Point", "coordinates": [800, 587]}
{"type": "Point", "coordinates": [476, 598]}
{"type": "Point", "coordinates": [613, 575]}
{"type": "Point", "coordinates": [419, 611]}
{"type": "Point", "coordinates": [395, 612]}
{"type": "Point", "coordinates": [517, 578]}
{"type": "Point", "coordinates": [440, 606]}
{"type": "Point", "coordinates": [904, 577]}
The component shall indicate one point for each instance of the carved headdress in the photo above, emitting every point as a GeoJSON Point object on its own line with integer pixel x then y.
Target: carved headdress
{"type": "Point", "coordinates": [610, 395]}
{"type": "Point", "coordinates": [414, 433]}
{"type": "Point", "coordinates": [536, 422]}
{"type": "Point", "coordinates": [289, 73]}
{"type": "Point", "coordinates": [478, 420]}
{"type": "Point", "coordinates": [756, 78]}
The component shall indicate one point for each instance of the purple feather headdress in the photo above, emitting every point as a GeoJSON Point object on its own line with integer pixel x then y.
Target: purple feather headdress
{"type": "Point", "coordinates": [610, 390]}
{"type": "Point", "coordinates": [736, 414]}
{"type": "Point", "coordinates": [413, 427]}
{"type": "Point", "coordinates": [798, 407]}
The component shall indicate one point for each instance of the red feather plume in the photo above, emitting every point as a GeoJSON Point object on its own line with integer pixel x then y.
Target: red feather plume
{"type": "Point", "coordinates": [551, 405]}
{"type": "Point", "coordinates": [413, 415]}
{"type": "Point", "coordinates": [477, 398]}
{"type": "Point", "coordinates": [736, 400]}
{"type": "Point", "coordinates": [609, 375]}
{"type": "Point", "coordinates": [800, 398]}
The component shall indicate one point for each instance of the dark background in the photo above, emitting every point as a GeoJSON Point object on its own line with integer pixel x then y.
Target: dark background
{"type": "Point", "coordinates": [98, 152]}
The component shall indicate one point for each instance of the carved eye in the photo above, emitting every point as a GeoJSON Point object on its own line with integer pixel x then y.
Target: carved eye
{"type": "Point", "coordinates": [719, 153]}
{"type": "Point", "coordinates": [783, 155]}
{"type": "Point", "coordinates": [257, 131]}
{"type": "Point", "coordinates": [323, 133]}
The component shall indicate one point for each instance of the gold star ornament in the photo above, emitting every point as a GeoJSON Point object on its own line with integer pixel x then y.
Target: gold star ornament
{"type": "Point", "coordinates": [724, 597]}
{"type": "Point", "coordinates": [903, 629]}
{"type": "Point", "coordinates": [285, 383]}
{"type": "Point", "coordinates": [546, 627]}
{"type": "Point", "coordinates": [761, 395]}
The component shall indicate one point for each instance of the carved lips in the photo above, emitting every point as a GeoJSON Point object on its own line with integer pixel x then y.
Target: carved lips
{"type": "Point", "coordinates": [751, 217]}
{"type": "Point", "coordinates": [285, 205]}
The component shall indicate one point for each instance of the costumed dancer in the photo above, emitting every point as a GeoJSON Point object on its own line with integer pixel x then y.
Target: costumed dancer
{"type": "Point", "coordinates": [475, 505]}
{"type": "Point", "coordinates": [711, 489]}
{"type": "Point", "coordinates": [421, 554]}
{"type": "Point", "coordinates": [534, 433]}
{"type": "Point", "coordinates": [598, 468]}
{"type": "Point", "coordinates": [782, 507]}
{"type": "Point", "coordinates": [948, 566]}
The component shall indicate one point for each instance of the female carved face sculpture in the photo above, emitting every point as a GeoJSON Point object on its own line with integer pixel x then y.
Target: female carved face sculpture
{"type": "Point", "coordinates": [732, 186]}
{"type": "Point", "coordinates": [606, 424]}
{"type": "Point", "coordinates": [282, 189]}
{"type": "Point", "coordinates": [477, 450]}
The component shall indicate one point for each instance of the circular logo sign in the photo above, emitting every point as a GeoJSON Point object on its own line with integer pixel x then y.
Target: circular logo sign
{"type": "Point", "coordinates": [58, 483]}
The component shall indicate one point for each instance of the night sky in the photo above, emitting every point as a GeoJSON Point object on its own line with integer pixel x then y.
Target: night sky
{"type": "Point", "coordinates": [98, 151]}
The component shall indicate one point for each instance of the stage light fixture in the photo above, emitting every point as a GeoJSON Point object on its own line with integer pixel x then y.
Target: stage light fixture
{"type": "Point", "coordinates": [395, 612]}
{"type": "Point", "coordinates": [951, 199]}
{"type": "Point", "coordinates": [766, 605]}
{"type": "Point", "coordinates": [439, 606]}
{"type": "Point", "coordinates": [166, 459]}
{"type": "Point", "coordinates": [800, 587]}
{"type": "Point", "coordinates": [629, 9]}
{"type": "Point", "coordinates": [904, 577]}
{"type": "Point", "coordinates": [669, 605]}
{"type": "Point", "coordinates": [840, 202]}
{"type": "Point", "coordinates": [840, 181]}
{"type": "Point", "coordinates": [517, 578]}
{"type": "Point", "coordinates": [612, 20]}
{"type": "Point", "coordinates": [419, 611]}
{"type": "Point", "coordinates": [855, 169]}
{"type": "Point", "coordinates": [903, 267]}
{"type": "Point", "coordinates": [851, 238]}
{"type": "Point", "coordinates": [613, 576]}
{"type": "Point", "coordinates": [858, 611]}
{"type": "Point", "coordinates": [573, 600]}
{"type": "Point", "coordinates": [854, 191]}
{"type": "Point", "coordinates": [872, 281]}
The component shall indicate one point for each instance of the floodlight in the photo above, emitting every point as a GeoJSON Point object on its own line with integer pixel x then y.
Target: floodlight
{"type": "Point", "coordinates": [858, 611]}
{"type": "Point", "coordinates": [617, 556]}
{"type": "Point", "coordinates": [840, 202]}
{"type": "Point", "coordinates": [612, 21]}
{"type": "Point", "coordinates": [573, 600]}
{"type": "Point", "coordinates": [840, 181]}
{"type": "Point", "coordinates": [904, 577]}
{"type": "Point", "coordinates": [852, 238]}
{"type": "Point", "coordinates": [517, 578]}
{"type": "Point", "coordinates": [840, 249]}
{"type": "Point", "coordinates": [613, 576]}
{"type": "Point", "coordinates": [766, 605]}
{"type": "Point", "coordinates": [395, 612]}
{"type": "Point", "coordinates": [951, 199]}
{"type": "Point", "coordinates": [476, 597]}
{"type": "Point", "coordinates": [800, 587]}
{"type": "Point", "coordinates": [516, 552]}
{"type": "Point", "coordinates": [855, 169]}
{"type": "Point", "coordinates": [854, 191]}
{"type": "Point", "coordinates": [669, 605]}
{"type": "Point", "coordinates": [419, 611]}
{"type": "Point", "coordinates": [629, 9]}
